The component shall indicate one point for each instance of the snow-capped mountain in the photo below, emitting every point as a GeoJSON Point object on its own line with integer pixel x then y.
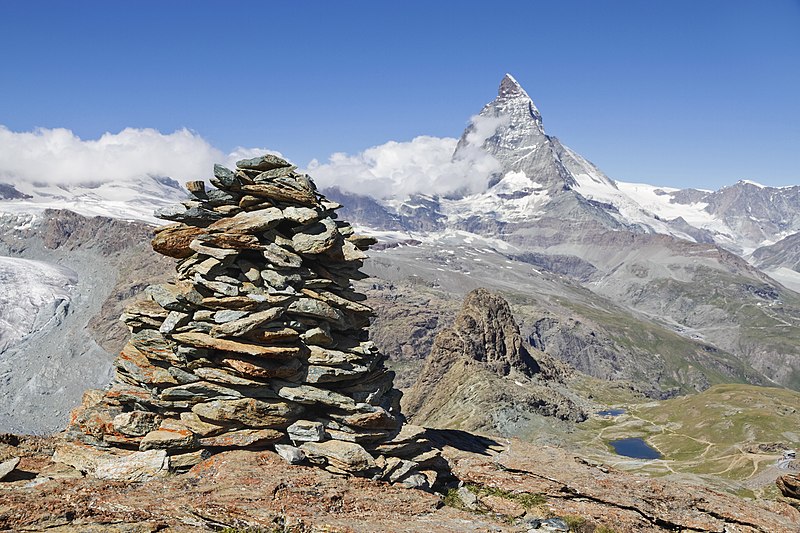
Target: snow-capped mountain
{"type": "Point", "coordinates": [510, 129]}
{"type": "Point", "coordinates": [542, 176]}
{"type": "Point", "coordinates": [131, 199]}
{"type": "Point", "coordinates": [676, 258]}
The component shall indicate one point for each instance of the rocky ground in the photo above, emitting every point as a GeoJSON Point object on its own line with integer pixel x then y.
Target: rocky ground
{"type": "Point", "coordinates": [502, 485]}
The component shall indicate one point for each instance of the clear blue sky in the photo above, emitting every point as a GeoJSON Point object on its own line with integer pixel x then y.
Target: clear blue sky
{"type": "Point", "coordinates": [681, 93]}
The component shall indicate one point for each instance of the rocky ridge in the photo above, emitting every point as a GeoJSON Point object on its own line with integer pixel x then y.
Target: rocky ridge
{"type": "Point", "coordinates": [260, 341]}
{"type": "Point", "coordinates": [480, 376]}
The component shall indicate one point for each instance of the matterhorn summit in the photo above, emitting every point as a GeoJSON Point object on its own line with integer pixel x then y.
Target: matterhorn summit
{"type": "Point", "coordinates": [510, 129]}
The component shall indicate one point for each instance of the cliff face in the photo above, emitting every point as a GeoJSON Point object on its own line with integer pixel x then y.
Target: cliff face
{"type": "Point", "coordinates": [485, 331]}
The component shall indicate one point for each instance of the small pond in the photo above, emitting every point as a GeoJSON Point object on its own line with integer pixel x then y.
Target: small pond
{"type": "Point", "coordinates": [636, 448]}
{"type": "Point", "coordinates": [611, 412]}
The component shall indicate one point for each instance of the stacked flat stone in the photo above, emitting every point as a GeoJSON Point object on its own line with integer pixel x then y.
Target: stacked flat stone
{"type": "Point", "coordinates": [260, 340]}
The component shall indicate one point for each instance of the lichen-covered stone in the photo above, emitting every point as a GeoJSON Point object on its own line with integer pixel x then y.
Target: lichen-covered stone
{"type": "Point", "coordinates": [136, 423]}
{"type": "Point", "coordinates": [249, 412]}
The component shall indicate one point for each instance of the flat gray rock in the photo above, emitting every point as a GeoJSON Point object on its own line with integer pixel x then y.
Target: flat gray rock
{"type": "Point", "coordinates": [316, 239]}
{"type": "Point", "coordinates": [7, 467]}
{"type": "Point", "coordinates": [306, 431]}
{"type": "Point", "coordinates": [138, 466]}
{"type": "Point", "coordinates": [290, 454]}
{"type": "Point", "coordinates": [265, 162]}
{"type": "Point", "coordinates": [306, 394]}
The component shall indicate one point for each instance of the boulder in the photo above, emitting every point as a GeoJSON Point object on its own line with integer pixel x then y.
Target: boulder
{"type": "Point", "coordinates": [6, 467]}
{"type": "Point", "coordinates": [789, 485]}
{"type": "Point", "coordinates": [346, 456]}
{"type": "Point", "coordinates": [137, 466]}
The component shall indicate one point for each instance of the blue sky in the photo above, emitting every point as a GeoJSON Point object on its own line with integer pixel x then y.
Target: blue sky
{"type": "Point", "coordinates": [679, 93]}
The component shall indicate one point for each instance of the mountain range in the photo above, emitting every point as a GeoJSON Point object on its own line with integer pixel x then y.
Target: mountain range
{"type": "Point", "coordinates": [663, 290]}
{"type": "Point", "coordinates": [670, 280]}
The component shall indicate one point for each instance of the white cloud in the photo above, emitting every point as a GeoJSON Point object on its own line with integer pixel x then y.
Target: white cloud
{"type": "Point", "coordinates": [392, 170]}
{"type": "Point", "coordinates": [395, 170]}
{"type": "Point", "coordinates": [58, 156]}
{"type": "Point", "coordinates": [482, 127]}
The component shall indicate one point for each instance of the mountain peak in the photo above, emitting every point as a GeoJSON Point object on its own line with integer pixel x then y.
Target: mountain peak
{"type": "Point", "coordinates": [510, 129]}
{"type": "Point", "coordinates": [513, 101]}
{"type": "Point", "coordinates": [510, 88]}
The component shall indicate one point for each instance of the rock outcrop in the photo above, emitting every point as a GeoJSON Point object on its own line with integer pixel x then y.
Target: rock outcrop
{"type": "Point", "coordinates": [789, 485]}
{"type": "Point", "coordinates": [481, 377]}
{"type": "Point", "coordinates": [485, 330]}
{"type": "Point", "coordinates": [261, 339]}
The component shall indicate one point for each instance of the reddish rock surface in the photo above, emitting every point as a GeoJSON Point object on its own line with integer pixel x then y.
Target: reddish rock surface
{"type": "Point", "coordinates": [620, 500]}
{"type": "Point", "coordinates": [246, 489]}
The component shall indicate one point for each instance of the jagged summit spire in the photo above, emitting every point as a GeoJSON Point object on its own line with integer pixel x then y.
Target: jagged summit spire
{"type": "Point", "coordinates": [510, 87]}
{"type": "Point", "coordinates": [510, 129]}
{"type": "Point", "coordinates": [510, 93]}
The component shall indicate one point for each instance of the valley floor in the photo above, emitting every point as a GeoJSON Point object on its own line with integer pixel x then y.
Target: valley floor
{"type": "Point", "coordinates": [730, 437]}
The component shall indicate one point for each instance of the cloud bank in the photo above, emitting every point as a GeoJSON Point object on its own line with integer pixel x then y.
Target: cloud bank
{"type": "Point", "coordinates": [393, 170]}
{"type": "Point", "coordinates": [426, 165]}
{"type": "Point", "coordinates": [58, 156]}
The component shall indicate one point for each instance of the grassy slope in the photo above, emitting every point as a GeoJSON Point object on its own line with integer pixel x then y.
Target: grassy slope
{"type": "Point", "coordinates": [714, 434]}
{"type": "Point", "coordinates": [680, 355]}
{"type": "Point", "coordinates": [762, 330]}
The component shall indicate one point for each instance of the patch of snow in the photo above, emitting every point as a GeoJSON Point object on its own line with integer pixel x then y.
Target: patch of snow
{"type": "Point", "coordinates": [513, 198]}
{"type": "Point", "coordinates": [750, 182]}
{"type": "Point", "coordinates": [134, 199]}
{"type": "Point", "coordinates": [32, 293]}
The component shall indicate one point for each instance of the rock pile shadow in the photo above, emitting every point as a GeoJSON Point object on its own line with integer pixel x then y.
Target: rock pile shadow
{"type": "Point", "coordinates": [261, 341]}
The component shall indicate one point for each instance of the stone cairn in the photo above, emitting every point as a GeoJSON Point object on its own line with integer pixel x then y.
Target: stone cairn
{"type": "Point", "coordinates": [261, 341]}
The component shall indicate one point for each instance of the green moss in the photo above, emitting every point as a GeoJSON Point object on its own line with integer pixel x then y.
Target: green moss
{"type": "Point", "coordinates": [528, 500]}
{"type": "Point", "coordinates": [451, 499]}
{"type": "Point", "coordinates": [573, 521]}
